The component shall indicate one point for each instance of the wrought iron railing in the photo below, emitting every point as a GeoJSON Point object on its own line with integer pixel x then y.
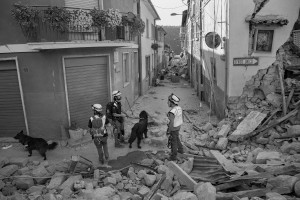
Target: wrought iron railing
{"type": "Point", "coordinates": [80, 28]}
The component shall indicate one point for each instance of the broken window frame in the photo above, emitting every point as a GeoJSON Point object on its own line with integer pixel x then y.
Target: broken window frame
{"type": "Point", "coordinates": [269, 42]}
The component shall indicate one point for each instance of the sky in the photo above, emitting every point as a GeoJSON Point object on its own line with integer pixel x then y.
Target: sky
{"type": "Point", "coordinates": [165, 8]}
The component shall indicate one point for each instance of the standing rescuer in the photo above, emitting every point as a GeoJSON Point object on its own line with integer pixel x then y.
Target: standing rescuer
{"type": "Point", "coordinates": [117, 118]}
{"type": "Point", "coordinates": [175, 122]}
{"type": "Point", "coordinates": [99, 133]}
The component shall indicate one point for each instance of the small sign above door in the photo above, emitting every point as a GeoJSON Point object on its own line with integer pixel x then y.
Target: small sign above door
{"type": "Point", "coordinates": [245, 61]}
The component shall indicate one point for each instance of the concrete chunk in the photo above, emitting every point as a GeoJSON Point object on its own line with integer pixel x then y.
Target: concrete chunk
{"type": "Point", "coordinates": [110, 180]}
{"type": "Point", "coordinates": [264, 156]}
{"type": "Point", "coordinates": [249, 124]}
{"type": "Point", "coordinates": [182, 175]}
{"type": "Point", "coordinates": [205, 191]}
{"type": "Point", "coordinates": [8, 170]}
{"type": "Point", "coordinates": [224, 131]}
{"type": "Point", "coordinates": [57, 179]}
{"type": "Point", "coordinates": [70, 182]}
{"type": "Point", "coordinates": [21, 162]}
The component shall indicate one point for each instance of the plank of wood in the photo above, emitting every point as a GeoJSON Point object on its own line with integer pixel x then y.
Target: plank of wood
{"type": "Point", "coordinates": [288, 101]}
{"type": "Point", "coordinates": [182, 175]}
{"type": "Point", "coordinates": [284, 107]}
{"type": "Point", "coordinates": [278, 121]}
{"type": "Point", "coordinates": [229, 185]}
{"type": "Point", "coordinates": [226, 164]}
{"type": "Point", "coordinates": [241, 194]}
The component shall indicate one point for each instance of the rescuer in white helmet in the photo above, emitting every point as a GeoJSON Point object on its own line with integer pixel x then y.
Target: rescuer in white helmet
{"type": "Point", "coordinates": [175, 122]}
{"type": "Point", "coordinates": [99, 134]}
{"type": "Point", "coordinates": [116, 115]}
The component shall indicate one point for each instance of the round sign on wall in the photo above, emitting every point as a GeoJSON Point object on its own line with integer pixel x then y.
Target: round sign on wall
{"type": "Point", "coordinates": [212, 40]}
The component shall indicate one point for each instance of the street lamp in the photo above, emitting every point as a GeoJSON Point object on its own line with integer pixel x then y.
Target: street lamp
{"type": "Point", "coordinates": [174, 14]}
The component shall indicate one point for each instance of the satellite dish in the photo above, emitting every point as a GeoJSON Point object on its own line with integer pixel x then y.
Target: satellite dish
{"type": "Point", "coordinates": [212, 40]}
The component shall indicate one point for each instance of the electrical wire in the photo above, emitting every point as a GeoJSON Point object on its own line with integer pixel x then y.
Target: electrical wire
{"type": "Point", "coordinates": [169, 8]}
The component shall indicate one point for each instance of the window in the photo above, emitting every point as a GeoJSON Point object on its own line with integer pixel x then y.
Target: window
{"type": "Point", "coordinates": [147, 66]}
{"type": "Point", "coordinates": [126, 69]}
{"type": "Point", "coordinates": [263, 40]}
{"type": "Point", "coordinates": [147, 28]}
{"type": "Point", "coordinates": [152, 31]}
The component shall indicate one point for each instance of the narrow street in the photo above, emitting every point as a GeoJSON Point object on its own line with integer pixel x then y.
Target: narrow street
{"type": "Point", "coordinates": [155, 103]}
{"type": "Point", "coordinates": [215, 83]}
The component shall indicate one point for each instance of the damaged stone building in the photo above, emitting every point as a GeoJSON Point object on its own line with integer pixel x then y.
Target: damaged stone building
{"type": "Point", "coordinates": [238, 51]}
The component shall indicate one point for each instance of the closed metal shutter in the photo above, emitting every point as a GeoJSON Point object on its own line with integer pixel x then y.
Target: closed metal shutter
{"type": "Point", "coordinates": [83, 4]}
{"type": "Point", "coordinates": [87, 83]}
{"type": "Point", "coordinates": [12, 118]}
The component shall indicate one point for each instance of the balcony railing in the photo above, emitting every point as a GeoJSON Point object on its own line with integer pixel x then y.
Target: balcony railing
{"type": "Point", "coordinates": [79, 28]}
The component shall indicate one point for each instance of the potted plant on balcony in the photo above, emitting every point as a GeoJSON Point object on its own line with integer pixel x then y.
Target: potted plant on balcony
{"type": "Point", "coordinates": [27, 17]}
{"type": "Point", "coordinates": [81, 25]}
{"type": "Point", "coordinates": [106, 18]}
{"type": "Point", "coordinates": [136, 24]}
{"type": "Point", "coordinates": [58, 18]}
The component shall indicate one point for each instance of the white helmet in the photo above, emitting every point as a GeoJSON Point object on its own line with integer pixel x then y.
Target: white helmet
{"type": "Point", "coordinates": [116, 93]}
{"type": "Point", "coordinates": [173, 98]}
{"type": "Point", "coordinates": [97, 107]}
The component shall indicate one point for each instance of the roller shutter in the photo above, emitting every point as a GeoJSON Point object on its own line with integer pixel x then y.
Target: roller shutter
{"type": "Point", "coordinates": [11, 109]}
{"type": "Point", "coordinates": [83, 4]}
{"type": "Point", "coordinates": [87, 83]}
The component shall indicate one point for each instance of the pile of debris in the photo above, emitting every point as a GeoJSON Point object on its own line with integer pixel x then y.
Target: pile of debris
{"type": "Point", "coordinates": [191, 178]}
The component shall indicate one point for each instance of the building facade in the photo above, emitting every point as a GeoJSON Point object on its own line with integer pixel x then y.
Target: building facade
{"type": "Point", "coordinates": [228, 42]}
{"type": "Point", "coordinates": [50, 78]}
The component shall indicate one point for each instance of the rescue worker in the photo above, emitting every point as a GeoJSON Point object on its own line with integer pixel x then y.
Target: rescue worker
{"type": "Point", "coordinates": [118, 115]}
{"type": "Point", "coordinates": [99, 134]}
{"type": "Point", "coordinates": [175, 122]}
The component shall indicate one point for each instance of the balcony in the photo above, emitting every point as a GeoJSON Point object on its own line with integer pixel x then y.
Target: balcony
{"type": "Point", "coordinates": [79, 26]}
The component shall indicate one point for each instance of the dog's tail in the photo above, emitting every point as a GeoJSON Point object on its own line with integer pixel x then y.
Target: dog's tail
{"type": "Point", "coordinates": [52, 145]}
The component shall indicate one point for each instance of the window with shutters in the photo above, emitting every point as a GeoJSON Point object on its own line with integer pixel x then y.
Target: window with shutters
{"type": "Point", "coordinates": [126, 69]}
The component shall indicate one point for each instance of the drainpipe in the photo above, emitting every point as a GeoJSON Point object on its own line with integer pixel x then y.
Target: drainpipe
{"type": "Point", "coordinates": [140, 51]}
{"type": "Point", "coordinates": [200, 56]}
{"type": "Point", "coordinates": [226, 56]}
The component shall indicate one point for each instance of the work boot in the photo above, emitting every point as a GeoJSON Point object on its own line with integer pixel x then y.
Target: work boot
{"type": "Point", "coordinates": [106, 164]}
{"type": "Point", "coordinates": [130, 146]}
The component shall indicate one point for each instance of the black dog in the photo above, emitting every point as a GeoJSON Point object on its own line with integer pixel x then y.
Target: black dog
{"type": "Point", "coordinates": [38, 144]}
{"type": "Point", "coordinates": [139, 129]}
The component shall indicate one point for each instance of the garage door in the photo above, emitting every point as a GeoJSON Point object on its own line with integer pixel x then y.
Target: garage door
{"type": "Point", "coordinates": [87, 83]}
{"type": "Point", "coordinates": [11, 110]}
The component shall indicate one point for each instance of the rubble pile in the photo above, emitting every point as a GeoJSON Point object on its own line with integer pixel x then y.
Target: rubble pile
{"type": "Point", "coordinates": [152, 178]}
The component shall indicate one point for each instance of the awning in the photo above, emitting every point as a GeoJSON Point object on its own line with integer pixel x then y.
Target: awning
{"type": "Point", "coordinates": [267, 20]}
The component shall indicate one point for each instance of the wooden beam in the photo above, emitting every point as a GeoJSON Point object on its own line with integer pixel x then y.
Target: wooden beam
{"type": "Point", "coordinates": [241, 194]}
{"type": "Point", "coordinates": [182, 175]}
{"type": "Point", "coordinates": [226, 164]}
{"type": "Point", "coordinates": [288, 101]}
{"type": "Point", "coordinates": [284, 107]}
